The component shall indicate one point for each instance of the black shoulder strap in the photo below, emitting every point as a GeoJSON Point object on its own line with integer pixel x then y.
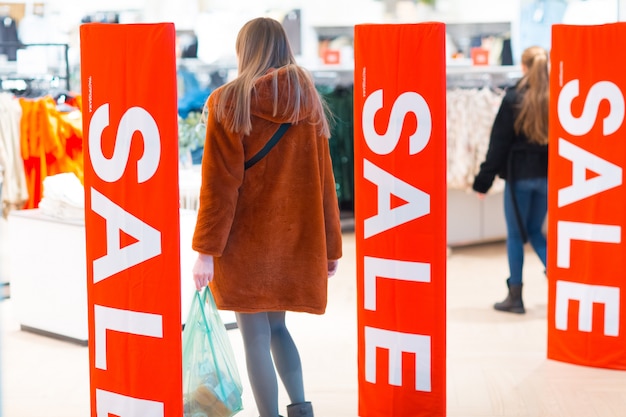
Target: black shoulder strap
{"type": "Point", "coordinates": [268, 146]}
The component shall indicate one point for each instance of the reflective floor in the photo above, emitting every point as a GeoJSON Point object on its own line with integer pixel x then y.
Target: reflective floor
{"type": "Point", "coordinates": [496, 363]}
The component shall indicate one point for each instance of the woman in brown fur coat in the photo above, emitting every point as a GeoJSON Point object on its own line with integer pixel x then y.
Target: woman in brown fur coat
{"type": "Point", "coordinates": [268, 237]}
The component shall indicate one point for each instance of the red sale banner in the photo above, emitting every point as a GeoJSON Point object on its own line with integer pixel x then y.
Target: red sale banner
{"type": "Point", "coordinates": [128, 75]}
{"type": "Point", "coordinates": [586, 263]}
{"type": "Point", "coordinates": [400, 217]}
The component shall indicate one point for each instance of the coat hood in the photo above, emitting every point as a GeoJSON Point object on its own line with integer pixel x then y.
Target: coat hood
{"type": "Point", "coordinates": [275, 95]}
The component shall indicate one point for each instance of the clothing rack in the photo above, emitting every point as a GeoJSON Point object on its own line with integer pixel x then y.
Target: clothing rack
{"type": "Point", "coordinates": [333, 77]}
{"type": "Point", "coordinates": [30, 86]}
{"type": "Point", "coordinates": [474, 94]}
{"type": "Point", "coordinates": [337, 89]}
{"type": "Point", "coordinates": [482, 76]}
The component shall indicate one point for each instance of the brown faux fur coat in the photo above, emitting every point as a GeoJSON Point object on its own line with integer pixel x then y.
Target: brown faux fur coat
{"type": "Point", "coordinates": [271, 228]}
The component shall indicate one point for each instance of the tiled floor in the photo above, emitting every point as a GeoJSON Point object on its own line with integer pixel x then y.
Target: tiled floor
{"type": "Point", "coordinates": [496, 363]}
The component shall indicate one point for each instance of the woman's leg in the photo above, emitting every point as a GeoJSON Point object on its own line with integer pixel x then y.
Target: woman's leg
{"type": "Point", "coordinates": [514, 241]}
{"type": "Point", "coordinates": [256, 333]}
{"type": "Point", "coordinates": [537, 216]}
{"type": "Point", "coordinates": [286, 357]}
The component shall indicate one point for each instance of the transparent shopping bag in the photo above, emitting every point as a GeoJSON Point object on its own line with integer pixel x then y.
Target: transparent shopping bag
{"type": "Point", "coordinates": [211, 382]}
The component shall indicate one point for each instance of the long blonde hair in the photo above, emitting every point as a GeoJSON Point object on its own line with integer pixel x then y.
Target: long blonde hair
{"type": "Point", "coordinates": [532, 119]}
{"type": "Point", "coordinates": [262, 44]}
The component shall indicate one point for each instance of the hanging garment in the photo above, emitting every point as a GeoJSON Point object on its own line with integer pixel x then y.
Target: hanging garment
{"type": "Point", "coordinates": [8, 37]}
{"type": "Point", "coordinates": [51, 143]}
{"type": "Point", "coordinates": [470, 115]}
{"type": "Point", "coordinates": [14, 187]}
{"type": "Point", "coordinates": [339, 99]}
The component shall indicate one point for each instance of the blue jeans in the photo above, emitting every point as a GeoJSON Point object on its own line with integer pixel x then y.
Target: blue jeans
{"type": "Point", "coordinates": [531, 196]}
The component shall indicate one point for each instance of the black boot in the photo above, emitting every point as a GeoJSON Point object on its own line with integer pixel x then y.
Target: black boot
{"type": "Point", "coordinates": [513, 302]}
{"type": "Point", "coordinates": [304, 409]}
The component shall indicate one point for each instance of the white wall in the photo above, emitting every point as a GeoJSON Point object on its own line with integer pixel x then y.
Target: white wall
{"type": "Point", "coordinates": [592, 12]}
{"type": "Point", "coordinates": [463, 11]}
{"type": "Point", "coordinates": [321, 12]}
{"type": "Point", "coordinates": [218, 21]}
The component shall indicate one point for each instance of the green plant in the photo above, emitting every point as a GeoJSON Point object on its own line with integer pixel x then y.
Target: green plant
{"type": "Point", "coordinates": [191, 132]}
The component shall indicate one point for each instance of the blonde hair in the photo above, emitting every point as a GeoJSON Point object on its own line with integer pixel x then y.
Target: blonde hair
{"type": "Point", "coordinates": [532, 119]}
{"type": "Point", "coordinates": [262, 44]}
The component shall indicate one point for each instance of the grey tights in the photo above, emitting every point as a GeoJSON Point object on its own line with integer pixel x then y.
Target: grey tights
{"type": "Point", "coordinates": [265, 336]}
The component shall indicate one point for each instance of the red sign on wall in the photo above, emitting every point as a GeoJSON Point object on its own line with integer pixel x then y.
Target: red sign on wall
{"type": "Point", "coordinates": [128, 75]}
{"type": "Point", "coordinates": [586, 263]}
{"type": "Point", "coordinates": [400, 215]}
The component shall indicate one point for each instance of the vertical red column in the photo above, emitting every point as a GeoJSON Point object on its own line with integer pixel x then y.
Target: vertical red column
{"type": "Point", "coordinates": [586, 263]}
{"type": "Point", "coordinates": [400, 215]}
{"type": "Point", "coordinates": [128, 77]}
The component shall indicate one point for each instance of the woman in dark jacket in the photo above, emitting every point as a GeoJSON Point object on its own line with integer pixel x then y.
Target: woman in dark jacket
{"type": "Point", "coordinates": [518, 153]}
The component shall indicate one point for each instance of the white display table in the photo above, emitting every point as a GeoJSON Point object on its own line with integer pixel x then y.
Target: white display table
{"type": "Point", "coordinates": [5, 290]}
{"type": "Point", "coordinates": [48, 273]}
{"type": "Point", "coordinates": [472, 220]}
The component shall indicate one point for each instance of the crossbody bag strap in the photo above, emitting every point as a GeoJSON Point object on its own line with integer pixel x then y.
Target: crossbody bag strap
{"type": "Point", "coordinates": [268, 146]}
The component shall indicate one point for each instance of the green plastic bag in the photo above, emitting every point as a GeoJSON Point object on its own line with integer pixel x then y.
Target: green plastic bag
{"type": "Point", "coordinates": [211, 382]}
